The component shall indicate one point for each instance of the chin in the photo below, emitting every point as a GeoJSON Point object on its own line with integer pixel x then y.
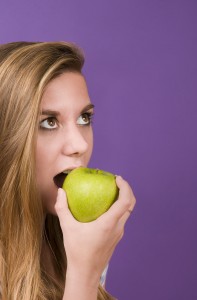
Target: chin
{"type": "Point", "coordinates": [49, 203]}
{"type": "Point", "coordinates": [50, 210]}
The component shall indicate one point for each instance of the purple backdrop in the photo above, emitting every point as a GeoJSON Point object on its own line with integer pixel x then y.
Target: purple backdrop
{"type": "Point", "coordinates": [141, 68]}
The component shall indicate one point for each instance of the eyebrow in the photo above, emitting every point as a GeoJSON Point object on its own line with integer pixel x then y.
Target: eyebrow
{"type": "Point", "coordinates": [54, 113]}
{"type": "Point", "coordinates": [87, 107]}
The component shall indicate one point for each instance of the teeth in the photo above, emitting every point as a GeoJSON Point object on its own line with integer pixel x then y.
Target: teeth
{"type": "Point", "coordinates": [66, 171]}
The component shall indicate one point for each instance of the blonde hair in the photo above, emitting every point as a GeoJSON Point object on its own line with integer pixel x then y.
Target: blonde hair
{"type": "Point", "coordinates": [25, 70]}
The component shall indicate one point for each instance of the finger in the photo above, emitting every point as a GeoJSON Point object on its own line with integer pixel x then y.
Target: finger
{"type": "Point", "coordinates": [125, 202]}
{"type": "Point", "coordinates": [61, 205]}
{"type": "Point", "coordinates": [127, 214]}
{"type": "Point", "coordinates": [125, 217]}
{"type": "Point", "coordinates": [126, 191]}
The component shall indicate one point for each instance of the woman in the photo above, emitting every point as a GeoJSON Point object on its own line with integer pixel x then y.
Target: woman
{"type": "Point", "coordinates": [45, 121]}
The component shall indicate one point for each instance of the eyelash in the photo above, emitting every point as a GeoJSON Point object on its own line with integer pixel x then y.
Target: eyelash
{"type": "Point", "coordinates": [90, 117]}
{"type": "Point", "coordinates": [49, 119]}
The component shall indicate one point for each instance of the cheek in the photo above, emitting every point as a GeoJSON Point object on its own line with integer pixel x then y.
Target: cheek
{"type": "Point", "coordinates": [46, 151]}
{"type": "Point", "coordinates": [90, 142]}
{"type": "Point", "coordinates": [45, 185]}
{"type": "Point", "coordinates": [41, 157]}
{"type": "Point", "coordinates": [43, 160]}
{"type": "Point", "coordinates": [40, 164]}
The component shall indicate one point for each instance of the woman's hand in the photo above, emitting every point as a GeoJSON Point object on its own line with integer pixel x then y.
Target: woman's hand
{"type": "Point", "coordinates": [89, 246]}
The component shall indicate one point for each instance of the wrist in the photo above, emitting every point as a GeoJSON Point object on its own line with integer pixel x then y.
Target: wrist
{"type": "Point", "coordinates": [83, 277]}
{"type": "Point", "coordinates": [80, 285]}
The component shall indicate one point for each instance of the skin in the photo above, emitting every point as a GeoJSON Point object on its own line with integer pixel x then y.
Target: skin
{"type": "Point", "coordinates": [88, 246]}
{"type": "Point", "coordinates": [65, 138]}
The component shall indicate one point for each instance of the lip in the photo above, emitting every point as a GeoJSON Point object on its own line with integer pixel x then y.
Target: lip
{"type": "Point", "coordinates": [60, 177]}
{"type": "Point", "coordinates": [70, 168]}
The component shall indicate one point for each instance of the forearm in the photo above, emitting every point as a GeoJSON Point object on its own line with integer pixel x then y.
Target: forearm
{"type": "Point", "coordinates": [75, 291]}
{"type": "Point", "coordinates": [80, 287]}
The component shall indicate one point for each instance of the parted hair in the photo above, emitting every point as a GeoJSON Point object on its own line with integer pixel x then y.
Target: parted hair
{"type": "Point", "coordinates": [25, 70]}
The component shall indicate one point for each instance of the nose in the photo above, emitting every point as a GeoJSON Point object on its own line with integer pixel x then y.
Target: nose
{"type": "Point", "coordinates": [75, 142]}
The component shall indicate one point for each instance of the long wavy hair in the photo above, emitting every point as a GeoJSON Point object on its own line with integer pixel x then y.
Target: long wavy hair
{"type": "Point", "coordinates": [25, 70]}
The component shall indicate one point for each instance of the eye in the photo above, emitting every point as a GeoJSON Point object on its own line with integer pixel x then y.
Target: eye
{"type": "Point", "coordinates": [49, 123]}
{"type": "Point", "coordinates": [85, 119]}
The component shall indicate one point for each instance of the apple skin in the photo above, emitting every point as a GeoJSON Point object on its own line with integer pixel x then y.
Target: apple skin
{"type": "Point", "coordinates": [90, 192]}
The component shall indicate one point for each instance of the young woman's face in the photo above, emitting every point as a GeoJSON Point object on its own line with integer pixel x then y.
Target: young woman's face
{"type": "Point", "coordinates": [65, 137]}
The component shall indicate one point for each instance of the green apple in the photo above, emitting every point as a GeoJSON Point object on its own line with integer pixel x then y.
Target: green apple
{"type": "Point", "coordinates": [90, 192]}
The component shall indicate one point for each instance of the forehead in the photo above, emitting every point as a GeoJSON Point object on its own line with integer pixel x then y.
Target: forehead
{"type": "Point", "coordinates": [67, 89]}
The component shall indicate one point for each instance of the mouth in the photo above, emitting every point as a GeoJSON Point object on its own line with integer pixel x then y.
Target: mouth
{"type": "Point", "coordinates": [59, 178]}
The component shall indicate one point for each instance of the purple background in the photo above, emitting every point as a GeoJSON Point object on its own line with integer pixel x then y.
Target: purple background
{"type": "Point", "coordinates": [141, 68]}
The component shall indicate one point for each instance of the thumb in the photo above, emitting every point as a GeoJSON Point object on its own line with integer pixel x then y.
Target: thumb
{"type": "Point", "coordinates": [61, 206]}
